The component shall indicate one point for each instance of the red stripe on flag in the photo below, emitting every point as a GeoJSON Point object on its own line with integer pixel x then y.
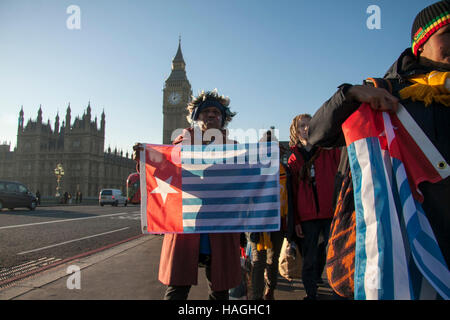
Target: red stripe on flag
{"type": "Point", "coordinates": [363, 123]}
{"type": "Point", "coordinates": [164, 195]}
{"type": "Point", "coordinates": [366, 122]}
{"type": "Point", "coordinates": [417, 165]}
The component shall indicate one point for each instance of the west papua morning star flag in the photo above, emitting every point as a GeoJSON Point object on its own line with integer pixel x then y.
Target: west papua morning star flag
{"type": "Point", "coordinates": [397, 256]}
{"type": "Point", "coordinates": [210, 188]}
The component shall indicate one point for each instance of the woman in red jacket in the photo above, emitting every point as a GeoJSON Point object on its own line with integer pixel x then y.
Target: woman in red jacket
{"type": "Point", "coordinates": [313, 171]}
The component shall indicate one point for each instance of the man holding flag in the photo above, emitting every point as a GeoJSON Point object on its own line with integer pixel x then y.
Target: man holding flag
{"type": "Point", "coordinates": [398, 154]}
{"type": "Point", "coordinates": [202, 200]}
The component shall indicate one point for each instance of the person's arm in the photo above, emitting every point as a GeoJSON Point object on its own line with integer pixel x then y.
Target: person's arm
{"type": "Point", "coordinates": [290, 215]}
{"type": "Point", "coordinates": [294, 168]}
{"type": "Point", "coordinates": [325, 126]}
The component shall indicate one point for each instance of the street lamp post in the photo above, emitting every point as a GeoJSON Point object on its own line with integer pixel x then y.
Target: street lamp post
{"type": "Point", "coordinates": [59, 173]}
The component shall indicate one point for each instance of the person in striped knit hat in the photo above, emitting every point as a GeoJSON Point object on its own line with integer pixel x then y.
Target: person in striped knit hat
{"type": "Point", "coordinates": [430, 42]}
{"type": "Point", "coordinates": [419, 80]}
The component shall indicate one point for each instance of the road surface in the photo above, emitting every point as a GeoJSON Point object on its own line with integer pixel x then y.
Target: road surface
{"type": "Point", "coordinates": [30, 240]}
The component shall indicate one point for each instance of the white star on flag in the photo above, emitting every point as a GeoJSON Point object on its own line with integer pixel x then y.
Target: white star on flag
{"type": "Point", "coordinates": [164, 188]}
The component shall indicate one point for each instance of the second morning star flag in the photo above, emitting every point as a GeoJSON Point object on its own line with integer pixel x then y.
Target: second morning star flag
{"type": "Point", "coordinates": [210, 188]}
{"type": "Point", "coordinates": [396, 255]}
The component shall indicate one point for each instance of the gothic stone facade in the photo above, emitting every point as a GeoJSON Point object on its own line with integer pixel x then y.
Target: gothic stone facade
{"type": "Point", "coordinates": [78, 146]}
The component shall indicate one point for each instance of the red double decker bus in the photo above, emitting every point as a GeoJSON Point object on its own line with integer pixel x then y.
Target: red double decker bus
{"type": "Point", "coordinates": [133, 188]}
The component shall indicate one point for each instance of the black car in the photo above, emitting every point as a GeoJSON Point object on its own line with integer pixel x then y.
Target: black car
{"type": "Point", "coordinates": [16, 195]}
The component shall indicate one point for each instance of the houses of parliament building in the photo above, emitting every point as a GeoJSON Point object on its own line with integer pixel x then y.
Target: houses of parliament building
{"type": "Point", "coordinates": [79, 146]}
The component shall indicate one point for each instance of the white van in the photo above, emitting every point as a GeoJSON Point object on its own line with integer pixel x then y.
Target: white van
{"type": "Point", "coordinates": [111, 196]}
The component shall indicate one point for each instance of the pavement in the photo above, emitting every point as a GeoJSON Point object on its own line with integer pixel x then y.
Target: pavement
{"type": "Point", "coordinates": [128, 271]}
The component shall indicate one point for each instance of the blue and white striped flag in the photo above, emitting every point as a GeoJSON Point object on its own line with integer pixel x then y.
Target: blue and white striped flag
{"type": "Point", "coordinates": [397, 255]}
{"type": "Point", "coordinates": [210, 188]}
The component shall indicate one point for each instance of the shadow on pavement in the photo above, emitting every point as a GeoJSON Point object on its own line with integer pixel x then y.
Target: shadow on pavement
{"type": "Point", "coordinates": [40, 212]}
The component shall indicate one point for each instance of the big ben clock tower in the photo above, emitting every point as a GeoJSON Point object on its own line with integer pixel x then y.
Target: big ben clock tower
{"type": "Point", "coordinates": [176, 96]}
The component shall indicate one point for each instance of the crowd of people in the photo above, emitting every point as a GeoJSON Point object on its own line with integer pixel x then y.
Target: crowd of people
{"type": "Point", "coordinates": [316, 198]}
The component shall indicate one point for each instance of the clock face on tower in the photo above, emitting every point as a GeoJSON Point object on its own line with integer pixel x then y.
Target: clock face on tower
{"type": "Point", "coordinates": [174, 97]}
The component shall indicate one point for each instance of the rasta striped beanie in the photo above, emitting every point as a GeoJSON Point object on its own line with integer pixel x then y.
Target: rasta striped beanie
{"type": "Point", "coordinates": [427, 22]}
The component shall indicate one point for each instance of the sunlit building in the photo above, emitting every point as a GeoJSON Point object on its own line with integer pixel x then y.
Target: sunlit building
{"type": "Point", "coordinates": [77, 145]}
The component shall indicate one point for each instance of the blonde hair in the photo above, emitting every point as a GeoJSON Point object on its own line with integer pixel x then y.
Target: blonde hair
{"type": "Point", "coordinates": [294, 140]}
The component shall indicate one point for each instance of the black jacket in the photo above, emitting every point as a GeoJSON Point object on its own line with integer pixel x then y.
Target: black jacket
{"type": "Point", "coordinates": [325, 131]}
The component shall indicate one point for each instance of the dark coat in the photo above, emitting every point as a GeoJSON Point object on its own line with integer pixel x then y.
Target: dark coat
{"type": "Point", "coordinates": [180, 256]}
{"type": "Point", "coordinates": [325, 131]}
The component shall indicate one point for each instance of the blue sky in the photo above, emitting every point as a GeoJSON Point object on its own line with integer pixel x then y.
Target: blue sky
{"type": "Point", "coordinates": [274, 59]}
